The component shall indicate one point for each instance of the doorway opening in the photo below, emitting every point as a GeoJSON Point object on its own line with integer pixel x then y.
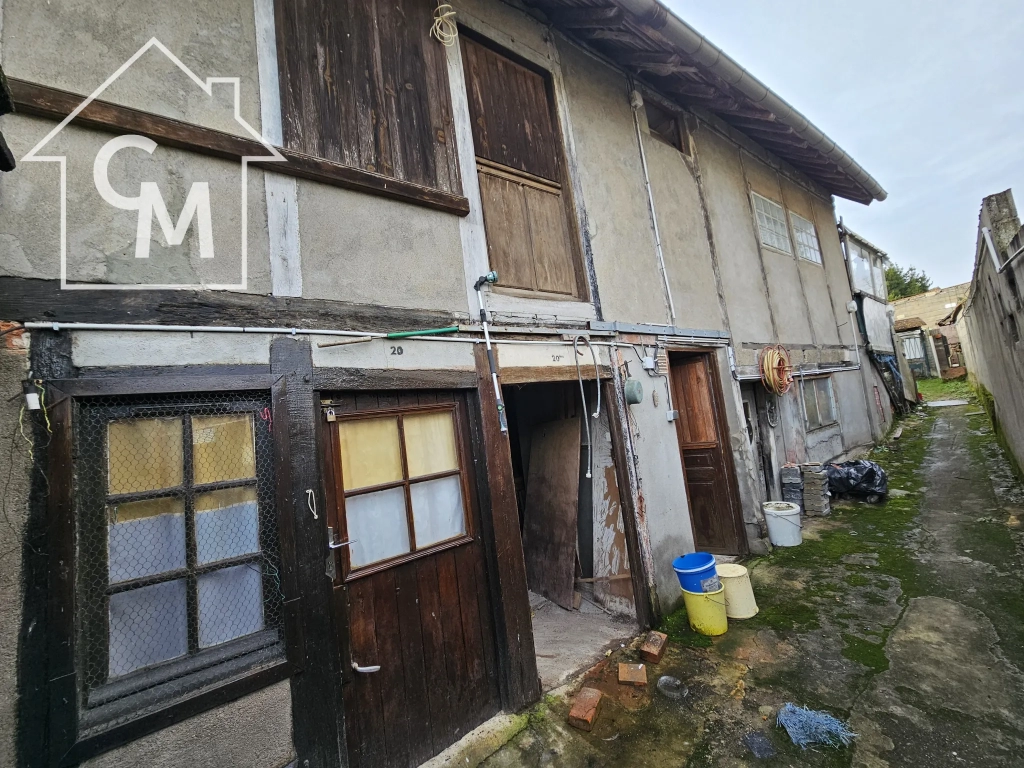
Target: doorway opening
{"type": "Point", "coordinates": [706, 453]}
{"type": "Point", "coordinates": [577, 569]}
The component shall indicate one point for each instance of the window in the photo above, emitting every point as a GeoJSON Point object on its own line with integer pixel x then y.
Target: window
{"type": "Point", "coordinates": [177, 564]}
{"type": "Point", "coordinates": [819, 402]}
{"type": "Point", "coordinates": [771, 223]}
{"type": "Point", "coordinates": [807, 246]}
{"type": "Point", "coordinates": [913, 349]}
{"type": "Point", "coordinates": [364, 85]}
{"type": "Point", "coordinates": [402, 482]}
{"type": "Point", "coordinates": [526, 208]}
{"type": "Point", "coordinates": [666, 127]}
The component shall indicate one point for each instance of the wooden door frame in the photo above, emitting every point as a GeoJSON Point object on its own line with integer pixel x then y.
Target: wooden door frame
{"type": "Point", "coordinates": [724, 439]}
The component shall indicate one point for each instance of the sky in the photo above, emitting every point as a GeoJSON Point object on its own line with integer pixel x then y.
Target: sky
{"type": "Point", "coordinates": [927, 97]}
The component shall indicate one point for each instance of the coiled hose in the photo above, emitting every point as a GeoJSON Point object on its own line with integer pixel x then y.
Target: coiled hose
{"type": "Point", "coordinates": [776, 369]}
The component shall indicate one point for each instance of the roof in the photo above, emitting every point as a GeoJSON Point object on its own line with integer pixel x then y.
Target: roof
{"type": "Point", "coordinates": [909, 324]}
{"type": "Point", "coordinates": [646, 39]}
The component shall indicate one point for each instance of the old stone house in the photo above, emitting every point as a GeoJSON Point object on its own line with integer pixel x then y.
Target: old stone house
{"type": "Point", "coordinates": [279, 489]}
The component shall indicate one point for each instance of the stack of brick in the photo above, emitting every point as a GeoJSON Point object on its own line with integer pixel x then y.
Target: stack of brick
{"type": "Point", "coordinates": [792, 485]}
{"type": "Point", "coordinates": [816, 495]}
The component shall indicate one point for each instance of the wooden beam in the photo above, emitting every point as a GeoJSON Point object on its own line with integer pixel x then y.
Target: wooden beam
{"type": "Point", "coordinates": [657, 63]}
{"type": "Point", "coordinates": [44, 101]}
{"type": "Point", "coordinates": [586, 18]}
{"type": "Point", "coordinates": [24, 300]}
{"type": "Point", "coordinates": [327, 379]}
{"type": "Point", "coordinates": [536, 373]}
{"type": "Point", "coordinates": [614, 36]}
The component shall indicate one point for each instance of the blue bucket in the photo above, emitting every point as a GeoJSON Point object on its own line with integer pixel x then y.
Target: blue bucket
{"type": "Point", "coordinates": [696, 572]}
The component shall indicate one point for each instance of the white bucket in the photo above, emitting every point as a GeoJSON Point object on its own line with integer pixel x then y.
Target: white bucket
{"type": "Point", "coordinates": [784, 525]}
{"type": "Point", "coordinates": [739, 595]}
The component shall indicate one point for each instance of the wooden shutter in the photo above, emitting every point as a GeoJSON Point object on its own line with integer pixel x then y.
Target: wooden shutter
{"type": "Point", "coordinates": [364, 84]}
{"type": "Point", "coordinates": [518, 150]}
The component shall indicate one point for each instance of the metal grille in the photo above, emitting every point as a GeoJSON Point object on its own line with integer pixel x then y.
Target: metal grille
{"type": "Point", "coordinates": [177, 567]}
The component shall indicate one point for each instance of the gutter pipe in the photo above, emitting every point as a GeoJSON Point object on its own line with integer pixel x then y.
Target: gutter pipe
{"type": "Point", "coordinates": [709, 56]}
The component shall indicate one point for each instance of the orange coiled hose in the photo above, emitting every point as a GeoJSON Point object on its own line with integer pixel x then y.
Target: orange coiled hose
{"type": "Point", "coordinates": [776, 369]}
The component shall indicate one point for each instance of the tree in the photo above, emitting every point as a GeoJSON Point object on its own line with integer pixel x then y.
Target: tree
{"type": "Point", "coordinates": [903, 282]}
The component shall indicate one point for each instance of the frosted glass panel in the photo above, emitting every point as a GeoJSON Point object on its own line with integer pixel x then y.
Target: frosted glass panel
{"type": "Point", "coordinates": [145, 538]}
{"type": "Point", "coordinates": [430, 443]}
{"type": "Point", "coordinates": [147, 626]}
{"type": "Point", "coordinates": [437, 510]}
{"type": "Point", "coordinates": [230, 604]}
{"type": "Point", "coordinates": [223, 448]}
{"type": "Point", "coordinates": [378, 526]}
{"type": "Point", "coordinates": [143, 455]}
{"type": "Point", "coordinates": [227, 524]}
{"type": "Point", "coordinates": [370, 453]}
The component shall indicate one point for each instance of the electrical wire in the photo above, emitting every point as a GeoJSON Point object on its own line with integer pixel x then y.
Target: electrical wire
{"type": "Point", "coordinates": [583, 395]}
{"type": "Point", "coordinates": [776, 369]}
{"type": "Point", "coordinates": [444, 28]}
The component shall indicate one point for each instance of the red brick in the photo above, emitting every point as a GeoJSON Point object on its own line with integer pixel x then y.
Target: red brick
{"type": "Point", "coordinates": [654, 647]}
{"type": "Point", "coordinates": [585, 709]}
{"type": "Point", "coordinates": [632, 674]}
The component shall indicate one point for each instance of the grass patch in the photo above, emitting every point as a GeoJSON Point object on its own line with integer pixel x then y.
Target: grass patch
{"type": "Point", "coordinates": [677, 626]}
{"type": "Point", "coordinates": [941, 389]}
{"type": "Point", "coordinates": [871, 655]}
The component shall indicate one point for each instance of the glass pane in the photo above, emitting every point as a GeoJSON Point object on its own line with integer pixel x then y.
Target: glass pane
{"type": "Point", "coordinates": [147, 626]}
{"type": "Point", "coordinates": [430, 443]}
{"type": "Point", "coordinates": [378, 526]}
{"type": "Point", "coordinates": [223, 448]}
{"type": "Point", "coordinates": [145, 538]}
{"type": "Point", "coordinates": [230, 604]}
{"type": "Point", "coordinates": [227, 524]}
{"type": "Point", "coordinates": [143, 455]}
{"type": "Point", "coordinates": [370, 454]}
{"type": "Point", "coordinates": [823, 387]}
{"type": "Point", "coordinates": [437, 510]}
{"type": "Point", "coordinates": [811, 405]}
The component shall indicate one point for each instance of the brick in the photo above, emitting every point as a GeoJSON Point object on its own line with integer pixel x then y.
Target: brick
{"type": "Point", "coordinates": [654, 647]}
{"type": "Point", "coordinates": [632, 674]}
{"type": "Point", "coordinates": [585, 709]}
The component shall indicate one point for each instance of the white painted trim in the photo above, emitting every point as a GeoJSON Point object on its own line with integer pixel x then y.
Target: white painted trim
{"type": "Point", "coordinates": [471, 227]}
{"type": "Point", "coordinates": [282, 192]}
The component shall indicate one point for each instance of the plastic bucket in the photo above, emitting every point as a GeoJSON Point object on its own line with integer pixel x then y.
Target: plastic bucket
{"type": "Point", "coordinates": [706, 611]}
{"type": "Point", "coordinates": [783, 519]}
{"type": "Point", "coordinates": [739, 595]}
{"type": "Point", "coordinates": [696, 572]}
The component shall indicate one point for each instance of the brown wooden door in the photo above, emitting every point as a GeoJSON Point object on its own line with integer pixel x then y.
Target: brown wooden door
{"type": "Point", "coordinates": [552, 505]}
{"type": "Point", "coordinates": [423, 616]}
{"type": "Point", "coordinates": [707, 464]}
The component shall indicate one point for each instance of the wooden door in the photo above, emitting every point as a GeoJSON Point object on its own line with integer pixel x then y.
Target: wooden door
{"type": "Point", "coordinates": [552, 505]}
{"type": "Point", "coordinates": [422, 617]}
{"type": "Point", "coordinates": [707, 460]}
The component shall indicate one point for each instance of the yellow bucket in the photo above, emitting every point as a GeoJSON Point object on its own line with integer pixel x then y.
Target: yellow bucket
{"type": "Point", "coordinates": [706, 611]}
{"type": "Point", "coordinates": [739, 596]}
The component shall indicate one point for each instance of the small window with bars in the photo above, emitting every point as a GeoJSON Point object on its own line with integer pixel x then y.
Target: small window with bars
{"type": "Point", "coordinates": [402, 483]}
{"type": "Point", "coordinates": [177, 566]}
{"type": "Point", "coordinates": [807, 245]}
{"type": "Point", "coordinates": [819, 403]}
{"type": "Point", "coordinates": [771, 224]}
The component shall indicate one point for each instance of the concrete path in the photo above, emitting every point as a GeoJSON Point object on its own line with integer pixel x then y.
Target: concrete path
{"type": "Point", "coordinates": [905, 619]}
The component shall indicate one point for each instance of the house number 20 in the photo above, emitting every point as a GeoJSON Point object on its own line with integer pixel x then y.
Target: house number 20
{"type": "Point", "coordinates": [396, 350]}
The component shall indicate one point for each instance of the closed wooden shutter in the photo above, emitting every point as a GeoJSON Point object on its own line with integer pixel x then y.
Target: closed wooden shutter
{"type": "Point", "coordinates": [519, 165]}
{"type": "Point", "coordinates": [363, 84]}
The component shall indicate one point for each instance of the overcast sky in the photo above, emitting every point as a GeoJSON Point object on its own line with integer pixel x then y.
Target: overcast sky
{"type": "Point", "coordinates": [926, 96]}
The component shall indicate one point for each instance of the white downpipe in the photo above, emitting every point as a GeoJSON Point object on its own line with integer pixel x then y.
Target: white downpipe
{"type": "Point", "coordinates": [650, 202]}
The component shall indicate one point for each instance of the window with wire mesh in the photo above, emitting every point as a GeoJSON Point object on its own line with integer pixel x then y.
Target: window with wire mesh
{"type": "Point", "coordinates": [771, 223]}
{"type": "Point", "coordinates": [177, 564]}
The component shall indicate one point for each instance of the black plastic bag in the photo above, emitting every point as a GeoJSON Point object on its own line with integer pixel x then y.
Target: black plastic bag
{"type": "Point", "coordinates": [859, 478]}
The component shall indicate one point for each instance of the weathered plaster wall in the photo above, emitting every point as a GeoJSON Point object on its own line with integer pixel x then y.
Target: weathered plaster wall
{"type": "Point", "coordinates": [253, 731]}
{"type": "Point", "coordinates": [101, 239]}
{"type": "Point", "coordinates": [613, 188]}
{"type": "Point", "coordinates": [14, 491]}
{"type": "Point", "coordinates": [127, 348]}
{"type": "Point", "coordinates": [371, 250]}
{"type": "Point", "coordinates": [75, 45]}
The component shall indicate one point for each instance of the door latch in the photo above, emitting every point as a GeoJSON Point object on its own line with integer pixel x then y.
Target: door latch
{"type": "Point", "coordinates": [365, 670]}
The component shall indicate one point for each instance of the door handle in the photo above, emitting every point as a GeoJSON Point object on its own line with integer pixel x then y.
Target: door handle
{"type": "Point", "coordinates": [365, 670]}
{"type": "Point", "coordinates": [332, 544]}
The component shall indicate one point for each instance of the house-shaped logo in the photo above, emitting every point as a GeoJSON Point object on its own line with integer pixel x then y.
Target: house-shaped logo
{"type": "Point", "coordinates": [132, 201]}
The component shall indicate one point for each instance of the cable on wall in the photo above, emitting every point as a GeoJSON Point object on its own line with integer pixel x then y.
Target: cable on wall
{"type": "Point", "coordinates": [444, 28]}
{"type": "Point", "coordinates": [776, 369]}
